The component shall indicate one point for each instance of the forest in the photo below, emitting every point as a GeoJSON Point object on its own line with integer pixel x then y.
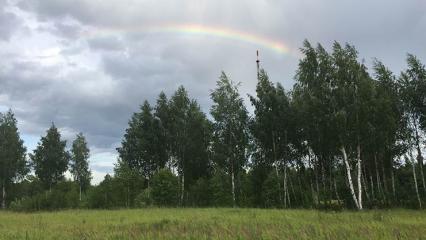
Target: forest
{"type": "Point", "coordinates": [344, 137]}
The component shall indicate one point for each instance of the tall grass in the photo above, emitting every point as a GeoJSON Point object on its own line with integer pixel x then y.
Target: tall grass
{"type": "Point", "coordinates": [213, 223]}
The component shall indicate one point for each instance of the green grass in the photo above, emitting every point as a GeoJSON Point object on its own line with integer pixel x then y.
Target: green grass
{"type": "Point", "coordinates": [213, 223]}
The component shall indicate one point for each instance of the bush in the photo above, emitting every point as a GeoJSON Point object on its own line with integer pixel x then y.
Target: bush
{"type": "Point", "coordinates": [63, 195]}
{"type": "Point", "coordinates": [271, 190]}
{"type": "Point", "coordinates": [221, 189]}
{"type": "Point", "coordinates": [165, 188]}
{"type": "Point", "coordinates": [144, 199]}
{"type": "Point", "coordinates": [200, 193]}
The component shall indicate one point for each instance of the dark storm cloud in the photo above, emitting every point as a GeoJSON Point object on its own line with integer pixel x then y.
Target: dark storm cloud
{"type": "Point", "coordinates": [41, 96]}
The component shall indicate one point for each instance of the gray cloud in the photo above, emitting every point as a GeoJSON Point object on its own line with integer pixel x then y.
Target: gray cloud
{"type": "Point", "coordinates": [86, 67]}
{"type": "Point", "coordinates": [9, 22]}
{"type": "Point", "coordinates": [106, 44]}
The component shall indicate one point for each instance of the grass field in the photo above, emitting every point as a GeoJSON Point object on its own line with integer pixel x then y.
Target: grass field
{"type": "Point", "coordinates": [213, 224]}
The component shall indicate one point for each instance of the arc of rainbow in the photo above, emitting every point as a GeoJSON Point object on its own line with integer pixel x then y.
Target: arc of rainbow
{"type": "Point", "coordinates": [195, 29]}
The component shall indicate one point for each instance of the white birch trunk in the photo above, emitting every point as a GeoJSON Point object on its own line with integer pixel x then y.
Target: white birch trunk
{"type": "Point", "coordinates": [349, 177]}
{"type": "Point", "coordinates": [233, 188]}
{"type": "Point", "coordinates": [359, 177]}
{"type": "Point", "coordinates": [413, 162]}
{"type": "Point", "coordinates": [393, 184]}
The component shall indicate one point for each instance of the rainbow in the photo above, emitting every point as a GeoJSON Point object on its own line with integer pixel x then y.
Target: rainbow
{"type": "Point", "coordinates": [195, 29]}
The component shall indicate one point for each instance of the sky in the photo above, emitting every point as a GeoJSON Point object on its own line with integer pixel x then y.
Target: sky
{"type": "Point", "coordinates": [87, 65]}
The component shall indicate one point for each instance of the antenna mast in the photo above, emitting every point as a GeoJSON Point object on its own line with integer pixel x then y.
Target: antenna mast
{"type": "Point", "coordinates": [257, 62]}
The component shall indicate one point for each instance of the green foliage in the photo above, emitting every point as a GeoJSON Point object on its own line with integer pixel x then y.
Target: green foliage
{"type": "Point", "coordinates": [63, 196]}
{"type": "Point", "coordinates": [144, 199]}
{"type": "Point", "coordinates": [220, 185]}
{"type": "Point", "coordinates": [13, 163]}
{"type": "Point", "coordinates": [200, 193]}
{"type": "Point", "coordinates": [50, 159]}
{"type": "Point", "coordinates": [128, 182]}
{"type": "Point", "coordinates": [230, 130]}
{"type": "Point", "coordinates": [140, 143]}
{"type": "Point", "coordinates": [165, 188]}
{"type": "Point", "coordinates": [270, 191]}
{"type": "Point", "coordinates": [79, 162]}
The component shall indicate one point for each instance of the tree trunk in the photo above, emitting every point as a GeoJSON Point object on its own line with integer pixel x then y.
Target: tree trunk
{"type": "Point", "coordinates": [379, 188]}
{"type": "Point", "coordinates": [349, 177]}
{"type": "Point", "coordinates": [419, 154]}
{"type": "Point", "coordinates": [278, 183]}
{"type": "Point", "coordinates": [316, 181]}
{"type": "Point", "coordinates": [299, 181]}
{"type": "Point", "coordinates": [415, 182]}
{"type": "Point", "coordinates": [80, 191]}
{"type": "Point", "coordinates": [324, 191]}
{"type": "Point", "coordinates": [385, 185]}
{"type": "Point", "coordinates": [276, 164]}
{"type": "Point", "coordinates": [3, 200]}
{"type": "Point", "coordinates": [372, 187]}
{"type": "Point", "coordinates": [420, 161]}
{"type": "Point", "coordinates": [128, 197]}
{"type": "Point", "coordinates": [393, 184]}
{"type": "Point", "coordinates": [285, 186]}
{"type": "Point", "coordinates": [359, 177]}
{"type": "Point", "coordinates": [149, 190]}
{"type": "Point", "coordinates": [365, 184]}
{"type": "Point", "coordinates": [311, 176]}
{"type": "Point", "coordinates": [182, 190]}
{"type": "Point", "coordinates": [234, 204]}
{"type": "Point", "coordinates": [337, 192]}
{"type": "Point", "coordinates": [292, 190]}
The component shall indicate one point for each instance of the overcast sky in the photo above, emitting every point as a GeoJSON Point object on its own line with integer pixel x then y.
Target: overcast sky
{"type": "Point", "coordinates": [87, 65]}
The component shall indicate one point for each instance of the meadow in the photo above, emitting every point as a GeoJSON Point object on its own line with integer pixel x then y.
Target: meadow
{"type": "Point", "coordinates": [213, 223]}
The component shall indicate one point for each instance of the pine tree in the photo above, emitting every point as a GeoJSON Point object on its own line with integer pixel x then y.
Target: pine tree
{"type": "Point", "coordinates": [139, 146]}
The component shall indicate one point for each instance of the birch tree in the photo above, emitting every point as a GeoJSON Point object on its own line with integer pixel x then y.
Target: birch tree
{"type": "Point", "coordinates": [79, 163]}
{"type": "Point", "coordinates": [230, 133]}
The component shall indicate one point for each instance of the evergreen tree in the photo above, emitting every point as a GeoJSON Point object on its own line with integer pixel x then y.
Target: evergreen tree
{"type": "Point", "coordinates": [50, 159]}
{"type": "Point", "coordinates": [162, 128]}
{"type": "Point", "coordinates": [140, 144]}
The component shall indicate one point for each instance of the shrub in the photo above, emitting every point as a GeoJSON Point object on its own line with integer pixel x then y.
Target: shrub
{"type": "Point", "coordinates": [165, 188]}
{"type": "Point", "coordinates": [221, 189]}
{"type": "Point", "coordinates": [144, 199]}
{"type": "Point", "coordinates": [271, 190]}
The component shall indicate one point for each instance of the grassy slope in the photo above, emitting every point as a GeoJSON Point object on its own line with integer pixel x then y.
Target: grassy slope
{"type": "Point", "coordinates": [213, 224]}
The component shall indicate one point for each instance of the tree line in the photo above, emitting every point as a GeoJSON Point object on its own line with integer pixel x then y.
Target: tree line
{"type": "Point", "coordinates": [343, 137]}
